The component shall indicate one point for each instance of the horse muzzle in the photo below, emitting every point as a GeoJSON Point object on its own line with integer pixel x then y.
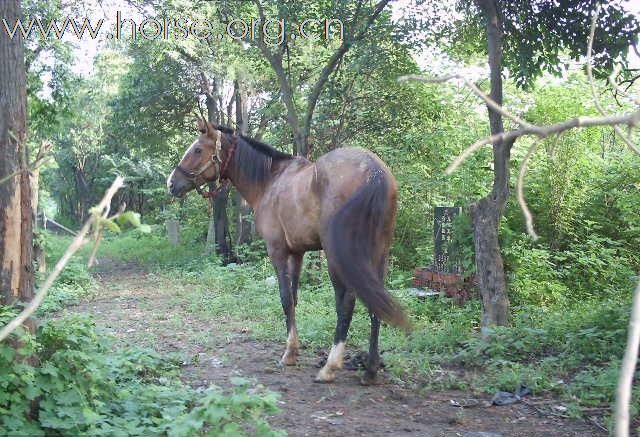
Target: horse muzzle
{"type": "Point", "coordinates": [178, 186]}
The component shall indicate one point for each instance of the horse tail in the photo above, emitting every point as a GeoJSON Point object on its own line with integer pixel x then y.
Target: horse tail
{"type": "Point", "coordinates": [358, 245]}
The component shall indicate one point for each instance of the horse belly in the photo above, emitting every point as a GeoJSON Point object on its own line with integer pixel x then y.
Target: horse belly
{"type": "Point", "coordinates": [300, 219]}
{"type": "Point", "coordinates": [291, 210]}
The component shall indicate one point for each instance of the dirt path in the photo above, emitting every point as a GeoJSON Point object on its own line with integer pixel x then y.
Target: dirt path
{"type": "Point", "coordinates": [133, 305]}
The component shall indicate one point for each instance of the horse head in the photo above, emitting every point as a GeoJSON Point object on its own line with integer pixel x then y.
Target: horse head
{"type": "Point", "coordinates": [200, 163]}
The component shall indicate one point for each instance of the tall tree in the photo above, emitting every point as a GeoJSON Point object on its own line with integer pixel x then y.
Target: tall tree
{"type": "Point", "coordinates": [219, 222]}
{"type": "Point", "coordinates": [527, 37]}
{"type": "Point", "coordinates": [487, 212]}
{"type": "Point", "coordinates": [357, 18]}
{"type": "Point", "coordinates": [244, 232]}
{"type": "Point", "coordinates": [16, 233]}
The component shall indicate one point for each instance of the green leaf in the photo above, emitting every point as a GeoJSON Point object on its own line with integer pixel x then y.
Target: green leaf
{"type": "Point", "coordinates": [111, 225]}
{"type": "Point", "coordinates": [31, 392]}
{"type": "Point", "coordinates": [239, 381]}
{"type": "Point", "coordinates": [145, 229]}
{"type": "Point", "coordinates": [129, 217]}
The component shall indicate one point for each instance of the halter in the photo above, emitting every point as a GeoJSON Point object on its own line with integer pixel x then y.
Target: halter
{"type": "Point", "coordinates": [221, 168]}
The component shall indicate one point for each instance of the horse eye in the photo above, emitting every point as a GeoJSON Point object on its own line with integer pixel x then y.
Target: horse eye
{"type": "Point", "coordinates": [197, 151]}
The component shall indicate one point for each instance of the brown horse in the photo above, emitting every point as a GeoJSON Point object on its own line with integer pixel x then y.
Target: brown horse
{"type": "Point", "coordinates": [344, 203]}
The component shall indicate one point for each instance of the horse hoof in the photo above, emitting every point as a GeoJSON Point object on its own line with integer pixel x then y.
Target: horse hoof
{"type": "Point", "coordinates": [368, 379]}
{"type": "Point", "coordinates": [325, 376]}
{"type": "Point", "coordinates": [289, 359]}
{"type": "Point", "coordinates": [287, 362]}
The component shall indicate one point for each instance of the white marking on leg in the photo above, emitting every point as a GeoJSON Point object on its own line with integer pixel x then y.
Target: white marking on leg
{"type": "Point", "coordinates": [293, 346]}
{"type": "Point", "coordinates": [334, 361]}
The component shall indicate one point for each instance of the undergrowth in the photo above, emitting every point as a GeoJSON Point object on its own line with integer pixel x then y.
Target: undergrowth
{"type": "Point", "coordinates": [80, 385]}
{"type": "Point", "coordinates": [68, 379]}
{"type": "Point", "coordinates": [569, 349]}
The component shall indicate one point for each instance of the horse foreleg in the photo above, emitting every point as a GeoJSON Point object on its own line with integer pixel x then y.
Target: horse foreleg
{"type": "Point", "coordinates": [280, 259]}
{"type": "Point", "coordinates": [345, 302]}
{"type": "Point", "coordinates": [295, 265]}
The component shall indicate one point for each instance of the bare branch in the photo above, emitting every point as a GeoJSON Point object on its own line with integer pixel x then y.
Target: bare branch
{"type": "Point", "coordinates": [77, 243]}
{"type": "Point", "coordinates": [520, 191]}
{"type": "Point", "coordinates": [41, 158]}
{"type": "Point", "coordinates": [490, 103]}
{"type": "Point", "coordinates": [617, 86]}
{"type": "Point", "coordinates": [596, 101]}
{"type": "Point", "coordinates": [625, 381]}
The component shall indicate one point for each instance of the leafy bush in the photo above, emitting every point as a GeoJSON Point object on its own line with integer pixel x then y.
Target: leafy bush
{"type": "Point", "coordinates": [81, 386]}
{"type": "Point", "coordinates": [596, 266]}
{"type": "Point", "coordinates": [534, 279]}
{"type": "Point", "coordinates": [461, 247]}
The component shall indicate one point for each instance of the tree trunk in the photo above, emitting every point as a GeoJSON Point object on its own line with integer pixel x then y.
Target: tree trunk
{"type": "Point", "coordinates": [16, 224]}
{"type": "Point", "coordinates": [34, 181]}
{"type": "Point", "coordinates": [244, 224]}
{"type": "Point", "coordinates": [487, 212]}
{"type": "Point", "coordinates": [486, 215]}
{"type": "Point", "coordinates": [223, 243]}
{"type": "Point", "coordinates": [83, 191]}
{"type": "Point", "coordinates": [39, 255]}
{"type": "Point", "coordinates": [173, 231]}
{"type": "Point", "coordinates": [210, 246]}
{"type": "Point", "coordinates": [220, 224]}
{"type": "Point", "coordinates": [244, 228]}
{"type": "Point", "coordinates": [218, 230]}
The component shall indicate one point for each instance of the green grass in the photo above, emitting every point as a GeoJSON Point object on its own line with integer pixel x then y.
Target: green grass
{"type": "Point", "coordinates": [570, 351]}
{"type": "Point", "coordinates": [74, 282]}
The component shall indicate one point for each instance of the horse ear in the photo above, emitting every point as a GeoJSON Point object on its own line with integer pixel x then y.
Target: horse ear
{"type": "Point", "coordinates": [211, 131]}
{"type": "Point", "coordinates": [202, 125]}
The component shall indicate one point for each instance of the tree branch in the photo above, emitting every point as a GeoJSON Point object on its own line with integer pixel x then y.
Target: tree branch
{"type": "Point", "coordinates": [528, 217]}
{"type": "Point", "coordinates": [330, 66]}
{"type": "Point", "coordinates": [275, 59]}
{"type": "Point", "coordinates": [625, 381]}
{"type": "Point", "coordinates": [596, 101]}
{"type": "Point", "coordinates": [41, 158]}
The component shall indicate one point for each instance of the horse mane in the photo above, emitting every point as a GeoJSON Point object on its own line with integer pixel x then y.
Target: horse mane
{"type": "Point", "coordinates": [253, 158]}
{"type": "Point", "coordinates": [260, 146]}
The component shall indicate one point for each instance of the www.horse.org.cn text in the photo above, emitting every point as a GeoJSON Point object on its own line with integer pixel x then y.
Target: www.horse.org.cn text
{"type": "Point", "coordinates": [271, 31]}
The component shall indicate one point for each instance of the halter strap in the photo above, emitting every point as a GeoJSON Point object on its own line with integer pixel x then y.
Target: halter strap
{"type": "Point", "coordinates": [221, 169]}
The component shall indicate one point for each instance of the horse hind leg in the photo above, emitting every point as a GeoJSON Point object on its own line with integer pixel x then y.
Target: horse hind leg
{"type": "Point", "coordinates": [373, 360]}
{"type": "Point", "coordinates": [289, 302]}
{"type": "Point", "coordinates": [345, 302]}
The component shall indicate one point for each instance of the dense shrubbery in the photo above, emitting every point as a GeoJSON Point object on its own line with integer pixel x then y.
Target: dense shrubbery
{"type": "Point", "coordinates": [80, 385]}
{"type": "Point", "coordinates": [68, 379]}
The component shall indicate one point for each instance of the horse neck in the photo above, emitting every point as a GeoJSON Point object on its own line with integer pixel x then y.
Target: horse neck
{"type": "Point", "coordinates": [250, 190]}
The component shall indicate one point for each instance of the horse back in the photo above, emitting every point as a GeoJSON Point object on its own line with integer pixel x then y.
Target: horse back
{"type": "Point", "coordinates": [299, 203]}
